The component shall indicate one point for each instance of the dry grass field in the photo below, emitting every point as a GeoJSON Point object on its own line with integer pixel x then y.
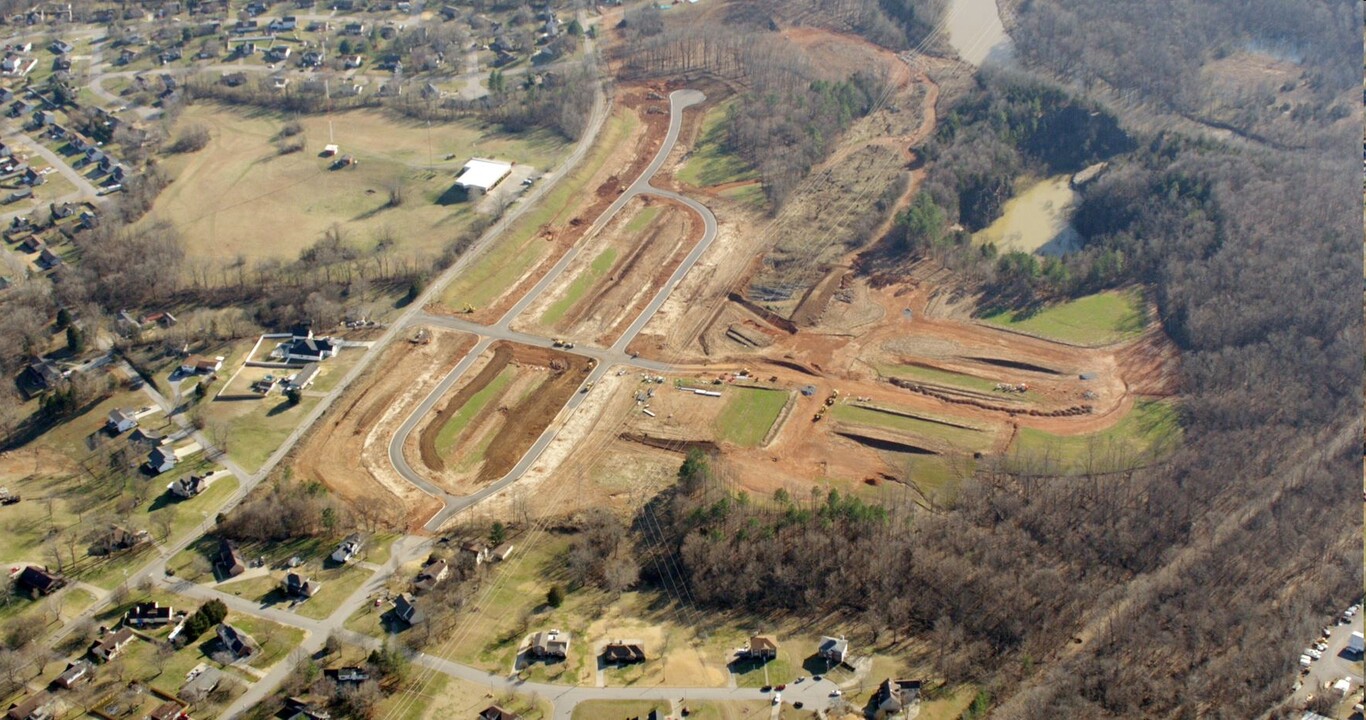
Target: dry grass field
{"type": "Point", "coordinates": [240, 196]}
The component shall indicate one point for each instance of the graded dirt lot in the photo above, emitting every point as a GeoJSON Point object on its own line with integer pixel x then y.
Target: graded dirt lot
{"type": "Point", "coordinates": [347, 449]}
{"type": "Point", "coordinates": [616, 273]}
{"type": "Point", "coordinates": [240, 197]}
{"type": "Point", "coordinates": [493, 417]}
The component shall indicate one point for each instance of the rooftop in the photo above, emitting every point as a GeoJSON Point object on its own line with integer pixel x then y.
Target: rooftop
{"type": "Point", "coordinates": [483, 174]}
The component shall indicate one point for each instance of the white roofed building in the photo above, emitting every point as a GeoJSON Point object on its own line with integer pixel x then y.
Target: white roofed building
{"type": "Point", "coordinates": [480, 176]}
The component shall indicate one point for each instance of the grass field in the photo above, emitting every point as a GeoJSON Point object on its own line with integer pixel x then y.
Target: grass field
{"type": "Point", "coordinates": [451, 431]}
{"type": "Point", "coordinates": [337, 584]}
{"type": "Point", "coordinates": [642, 219]}
{"type": "Point", "coordinates": [1149, 428]}
{"type": "Point", "coordinates": [603, 709]}
{"type": "Point", "coordinates": [774, 672]}
{"type": "Point", "coordinates": [519, 249]}
{"type": "Point", "coordinates": [580, 285]}
{"type": "Point", "coordinates": [255, 435]}
{"type": "Point", "coordinates": [748, 414]}
{"type": "Point", "coordinates": [938, 377]}
{"type": "Point", "coordinates": [958, 437]}
{"type": "Point", "coordinates": [1094, 320]}
{"type": "Point", "coordinates": [225, 195]}
{"type": "Point", "coordinates": [710, 163]}
{"type": "Point", "coordinates": [751, 195]}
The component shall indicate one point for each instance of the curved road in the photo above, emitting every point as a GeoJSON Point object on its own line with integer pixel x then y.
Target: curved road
{"type": "Point", "coordinates": [679, 100]}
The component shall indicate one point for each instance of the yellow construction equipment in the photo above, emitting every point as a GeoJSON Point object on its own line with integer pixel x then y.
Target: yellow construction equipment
{"type": "Point", "coordinates": [467, 309]}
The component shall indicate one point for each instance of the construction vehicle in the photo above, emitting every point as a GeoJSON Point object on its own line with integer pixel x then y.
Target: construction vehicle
{"type": "Point", "coordinates": [586, 387]}
{"type": "Point", "coordinates": [819, 414]}
{"type": "Point", "coordinates": [556, 342]}
{"type": "Point", "coordinates": [568, 344]}
{"type": "Point", "coordinates": [467, 309]}
{"type": "Point", "coordinates": [6, 498]}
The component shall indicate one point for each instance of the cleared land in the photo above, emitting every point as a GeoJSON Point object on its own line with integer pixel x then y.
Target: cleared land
{"type": "Point", "coordinates": [241, 196]}
{"type": "Point", "coordinates": [748, 415]}
{"type": "Point", "coordinates": [1151, 426]}
{"type": "Point", "coordinates": [1094, 320]}
{"type": "Point", "coordinates": [710, 163]}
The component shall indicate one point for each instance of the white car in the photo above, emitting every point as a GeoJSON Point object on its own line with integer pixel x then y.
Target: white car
{"type": "Point", "coordinates": [777, 698]}
{"type": "Point", "coordinates": [835, 693]}
{"type": "Point", "coordinates": [1312, 653]}
{"type": "Point", "coordinates": [1321, 646]}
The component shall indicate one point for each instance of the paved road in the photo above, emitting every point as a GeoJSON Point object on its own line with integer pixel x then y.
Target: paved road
{"type": "Point", "coordinates": [679, 101]}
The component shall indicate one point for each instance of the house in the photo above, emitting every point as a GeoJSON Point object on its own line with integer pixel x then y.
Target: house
{"type": "Point", "coordinates": [229, 561]}
{"type": "Point", "coordinates": [311, 58]}
{"type": "Point", "coordinates": [493, 712]}
{"type": "Point", "coordinates": [48, 259]}
{"type": "Point", "coordinates": [351, 62]}
{"type": "Point", "coordinates": [304, 347]}
{"type": "Point", "coordinates": [304, 377]}
{"type": "Point", "coordinates": [623, 652]}
{"type": "Point", "coordinates": [501, 552]}
{"type": "Point", "coordinates": [149, 614]}
{"type": "Point", "coordinates": [161, 460]}
{"type": "Point", "coordinates": [89, 220]}
{"type": "Point", "coordinates": [32, 244]}
{"type": "Point", "coordinates": [431, 576]}
{"type": "Point", "coordinates": [355, 28]}
{"type": "Point", "coordinates": [60, 47]}
{"type": "Point", "coordinates": [296, 585]}
{"type": "Point", "coordinates": [195, 364]}
{"type": "Point", "coordinates": [38, 580]}
{"type": "Point", "coordinates": [42, 374]}
{"type": "Point", "coordinates": [36, 707]}
{"type": "Point", "coordinates": [297, 709]}
{"type": "Point", "coordinates": [480, 176]}
{"type": "Point", "coordinates": [233, 79]}
{"type": "Point", "coordinates": [118, 539]}
{"type": "Point", "coordinates": [43, 117]}
{"type": "Point", "coordinates": [279, 53]}
{"type": "Point", "coordinates": [188, 486]}
{"type": "Point", "coordinates": [57, 131]}
{"type": "Point", "coordinates": [349, 549]}
{"type": "Point", "coordinates": [351, 674]}
{"type": "Point", "coordinates": [280, 82]}
{"type": "Point", "coordinates": [762, 647]}
{"type": "Point", "coordinates": [203, 680]}
{"type": "Point", "coordinates": [237, 642]}
{"type": "Point", "coordinates": [78, 143]}
{"type": "Point", "coordinates": [245, 49]}
{"type": "Point", "coordinates": [76, 673]}
{"type": "Point", "coordinates": [836, 650]}
{"type": "Point", "coordinates": [284, 24]}
{"type": "Point", "coordinates": [169, 710]}
{"type": "Point", "coordinates": [894, 696]}
{"type": "Point", "coordinates": [121, 420]}
{"type": "Point", "coordinates": [550, 644]}
{"type": "Point", "coordinates": [406, 609]}
{"type": "Point", "coordinates": [113, 643]}
{"type": "Point", "coordinates": [127, 55]}
{"type": "Point", "coordinates": [32, 177]}
{"type": "Point", "coordinates": [474, 552]}
{"type": "Point", "coordinates": [62, 211]}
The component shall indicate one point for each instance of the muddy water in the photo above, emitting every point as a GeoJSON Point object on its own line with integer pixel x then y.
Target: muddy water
{"type": "Point", "coordinates": [1037, 220]}
{"type": "Point", "coordinates": [976, 33]}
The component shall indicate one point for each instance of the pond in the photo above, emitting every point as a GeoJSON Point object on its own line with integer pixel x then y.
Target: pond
{"type": "Point", "coordinates": [977, 34]}
{"type": "Point", "coordinates": [1037, 220]}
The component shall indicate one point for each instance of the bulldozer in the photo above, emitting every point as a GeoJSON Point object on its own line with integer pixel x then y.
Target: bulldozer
{"type": "Point", "coordinates": [467, 309]}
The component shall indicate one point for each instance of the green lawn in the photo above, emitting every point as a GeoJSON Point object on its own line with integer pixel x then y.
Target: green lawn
{"type": "Point", "coordinates": [748, 414]}
{"type": "Point", "coordinates": [710, 163]}
{"type": "Point", "coordinates": [337, 585]}
{"type": "Point", "coordinates": [257, 434]}
{"type": "Point", "coordinates": [642, 219]}
{"type": "Point", "coordinates": [612, 709]}
{"type": "Point", "coordinates": [450, 432]}
{"type": "Point", "coordinates": [188, 514]}
{"type": "Point", "coordinates": [1094, 320]}
{"type": "Point", "coordinates": [752, 195]}
{"type": "Point", "coordinates": [939, 377]}
{"type": "Point", "coordinates": [581, 284]}
{"type": "Point", "coordinates": [774, 672]}
{"type": "Point", "coordinates": [960, 437]}
{"type": "Point", "coordinates": [276, 640]}
{"type": "Point", "coordinates": [517, 251]}
{"type": "Point", "coordinates": [1151, 427]}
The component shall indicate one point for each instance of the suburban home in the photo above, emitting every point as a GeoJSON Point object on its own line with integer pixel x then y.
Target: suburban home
{"type": "Point", "coordinates": [196, 364]}
{"type": "Point", "coordinates": [33, 177]}
{"type": "Point", "coordinates": [237, 642]}
{"type": "Point", "coordinates": [349, 549]}
{"type": "Point", "coordinates": [121, 420]}
{"type": "Point", "coordinates": [351, 674]}
{"type": "Point", "coordinates": [304, 347]}
{"type": "Point", "coordinates": [431, 576]}
{"type": "Point", "coordinates": [61, 47]}
{"type": "Point", "coordinates": [188, 486]}
{"type": "Point", "coordinates": [406, 609]}
{"type": "Point", "coordinates": [550, 644]}
{"type": "Point", "coordinates": [113, 643]}
{"type": "Point", "coordinates": [119, 539]}
{"type": "Point", "coordinates": [836, 650]}
{"type": "Point", "coordinates": [32, 244]}
{"type": "Point", "coordinates": [76, 673]}
{"type": "Point", "coordinates": [296, 585]}
{"type": "Point", "coordinates": [48, 259]}
{"type": "Point", "coordinates": [36, 707]}
{"type": "Point", "coordinates": [355, 28]}
{"type": "Point", "coordinates": [202, 681]}
{"type": "Point", "coordinates": [279, 53]}
{"type": "Point", "coordinates": [895, 696]}
{"type": "Point", "coordinates": [160, 317]}
{"type": "Point", "coordinates": [493, 712]}
{"type": "Point", "coordinates": [38, 580]}
{"type": "Point", "coordinates": [62, 211]}
{"type": "Point", "coordinates": [762, 647]}
{"type": "Point", "coordinates": [233, 79]}
{"type": "Point", "coordinates": [161, 459]}
{"type": "Point", "coordinates": [126, 55]}
{"type": "Point", "coordinates": [304, 377]}
{"type": "Point", "coordinates": [149, 614]}
{"type": "Point", "coordinates": [169, 710]}
{"type": "Point", "coordinates": [284, 24]}
{"type": "Point", "coordinates": [43, 117]}
{"type": "Point", "coordinates": [474, 552]}
{"type": "Point", "coordinates": [89, 220]}
{"type": "Point", "coordinates": [479, 176]}
{"type": "Point", "coordinates": [57, 131]}
{"type": "Point", "coordinates": [229, 561]}
{"type": "Point", "coordinates": [311, 58]}
{"type": "Point", "coordinates": [41, 374]}
{"type": "Point", "coordinates": [623, 652]}
{"type": "Point", "coordinates": [352, 62]}
{"type": "Point", "coordinates": [298, 709]}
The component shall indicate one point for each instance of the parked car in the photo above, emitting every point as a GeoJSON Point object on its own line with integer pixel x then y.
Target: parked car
{"type": "Point", "coordinates": [777, 698]}
{"type": "Point", "coordinates": [835, 693]}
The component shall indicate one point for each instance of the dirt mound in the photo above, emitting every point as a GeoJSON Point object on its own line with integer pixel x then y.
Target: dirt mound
{"type": "Point", "coordinates": [671, 444]}
{"type": "Point", "coordinates": [526, 422]}
{"type": "Point", "coordinates": [610, 186]}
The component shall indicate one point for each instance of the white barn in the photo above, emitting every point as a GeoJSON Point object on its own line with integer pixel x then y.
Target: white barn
{"type": "Point", "coordinates": [480, 176]}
